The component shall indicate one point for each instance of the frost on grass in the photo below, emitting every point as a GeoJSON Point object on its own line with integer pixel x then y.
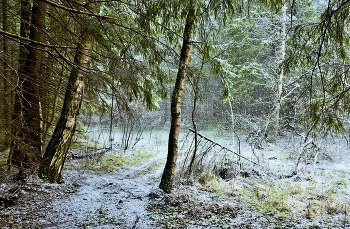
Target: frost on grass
{"type": "Point", "coordinates": [317, 196]}
{"type": "Point", "coordinates": [121, 191]}
{"type": "Point", "coordinates": [183, 209]}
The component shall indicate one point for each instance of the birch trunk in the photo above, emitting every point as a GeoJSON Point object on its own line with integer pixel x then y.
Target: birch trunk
{"type": "Point", "coordinates": [279, 84]}
{"type": "Point", "coordinates": [55, 153]}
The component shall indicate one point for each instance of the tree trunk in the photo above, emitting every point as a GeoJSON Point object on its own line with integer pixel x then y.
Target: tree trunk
{"type": "Point", "coordinates": [279, 83]}
{"type": "Point", "coordinates": [168, 173]}
{"type": "Point", "coordinates": [34, 70]}
{"type": "Point", "coordinates": [55, 153]}
{"type": "Point", "coordinates": [16, 155]}
{"type": "Point", "coordinates": [111, 138]}
{"type": "Point", "coordinates": [7, 103]}
{"type": "Point", "coordinates": [26, 145]}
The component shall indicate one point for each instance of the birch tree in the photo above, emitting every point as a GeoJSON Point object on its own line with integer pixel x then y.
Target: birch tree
{"type": "Point", "coordinates": [55, 153]}
{"type": "Point", "coordinates": [122, 72]}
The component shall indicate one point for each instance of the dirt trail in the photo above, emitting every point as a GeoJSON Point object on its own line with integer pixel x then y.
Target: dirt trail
{"type": "Point", "coordinates": [88, 200]}
{"type": "Point", "coordinates": [118, 199]}
{"type": "Point", "coordinates": [111, 200]}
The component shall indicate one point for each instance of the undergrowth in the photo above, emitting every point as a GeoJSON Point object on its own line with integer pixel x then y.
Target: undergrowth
{"type": "Point", "coordinates": [182, 209]}
{"type": "Point", "coordinates": [282, 199]}
{"type": "Point", "coordinates": [112, 161]}
{"type": "Point", "coordinates": [3, 158]}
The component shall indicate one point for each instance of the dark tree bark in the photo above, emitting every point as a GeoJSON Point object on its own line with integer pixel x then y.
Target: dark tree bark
{"type": "Point", "coordinates": [16, 155]}
{"type": "Point", "coordinates": [7, 103]}
{"type": "Point", "coordinates": [34, 73]}
{"type": "Point", "coordinates": [55, 153]}
{"type": "Point", "coordinates": [166, 183]}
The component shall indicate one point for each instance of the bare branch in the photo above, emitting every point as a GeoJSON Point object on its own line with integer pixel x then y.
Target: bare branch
{"type": "Point", "coordinates": [16, 37]}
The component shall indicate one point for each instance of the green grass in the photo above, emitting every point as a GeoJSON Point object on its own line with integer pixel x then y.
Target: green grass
{"type": "Point", "coordinates": [82, 144]}
{"type": "Point", "coordinates": [284, 198]}
{"type": "Point", "coordinates": [3, 159]}
{"type": "Point", "coordinates": [112, 161]}
{"type": "Point", "coordinates": [151, 169]}
{"type": "Point", "coordinates": [69, 167]}
{"type": "Point", "coordinates": [291, 200]}
{"type": "Point", "coordinates": [219, 188]}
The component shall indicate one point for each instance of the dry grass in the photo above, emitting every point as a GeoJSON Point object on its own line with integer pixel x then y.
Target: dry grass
{"type": "Point", "coordinates": [112, 161]}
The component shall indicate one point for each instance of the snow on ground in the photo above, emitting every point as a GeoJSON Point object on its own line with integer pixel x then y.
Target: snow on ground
{"type": "Point", "coordinates": [128, 196]}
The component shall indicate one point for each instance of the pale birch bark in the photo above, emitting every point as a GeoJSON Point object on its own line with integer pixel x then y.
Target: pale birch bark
{"type": "Point", "coordinates": [279, 83]}
{"type": "Point", "coordinates": [55, 153]}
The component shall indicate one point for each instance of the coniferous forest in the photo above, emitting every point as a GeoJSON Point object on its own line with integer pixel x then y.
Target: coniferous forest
{"type": "Point", "coordinates": [174, 114]}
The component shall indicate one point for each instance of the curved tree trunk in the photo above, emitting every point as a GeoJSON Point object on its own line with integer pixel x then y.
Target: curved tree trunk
{"type": "Point", "coordinates": [168, 173]}
{"type": "Point", "coordinates": [55, 153]}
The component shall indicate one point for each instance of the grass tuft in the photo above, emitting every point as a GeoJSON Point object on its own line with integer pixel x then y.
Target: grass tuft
{"type": "Point", "coordinates": [111, 161]}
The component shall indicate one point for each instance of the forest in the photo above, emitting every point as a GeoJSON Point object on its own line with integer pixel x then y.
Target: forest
{"type": "Point", "coordinates": [174, 114]}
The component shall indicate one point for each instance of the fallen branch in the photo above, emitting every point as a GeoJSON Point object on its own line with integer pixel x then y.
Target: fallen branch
{"type": "Point", "coordinates": [225, 148]}
{"type": "Point", "coordinates": [287, 175]}
{"type": "Point", "coordinates": [94, 154]}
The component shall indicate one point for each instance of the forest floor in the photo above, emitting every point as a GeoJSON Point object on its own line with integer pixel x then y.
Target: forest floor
{"type": "Point", "coordinates": [120, 190]}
